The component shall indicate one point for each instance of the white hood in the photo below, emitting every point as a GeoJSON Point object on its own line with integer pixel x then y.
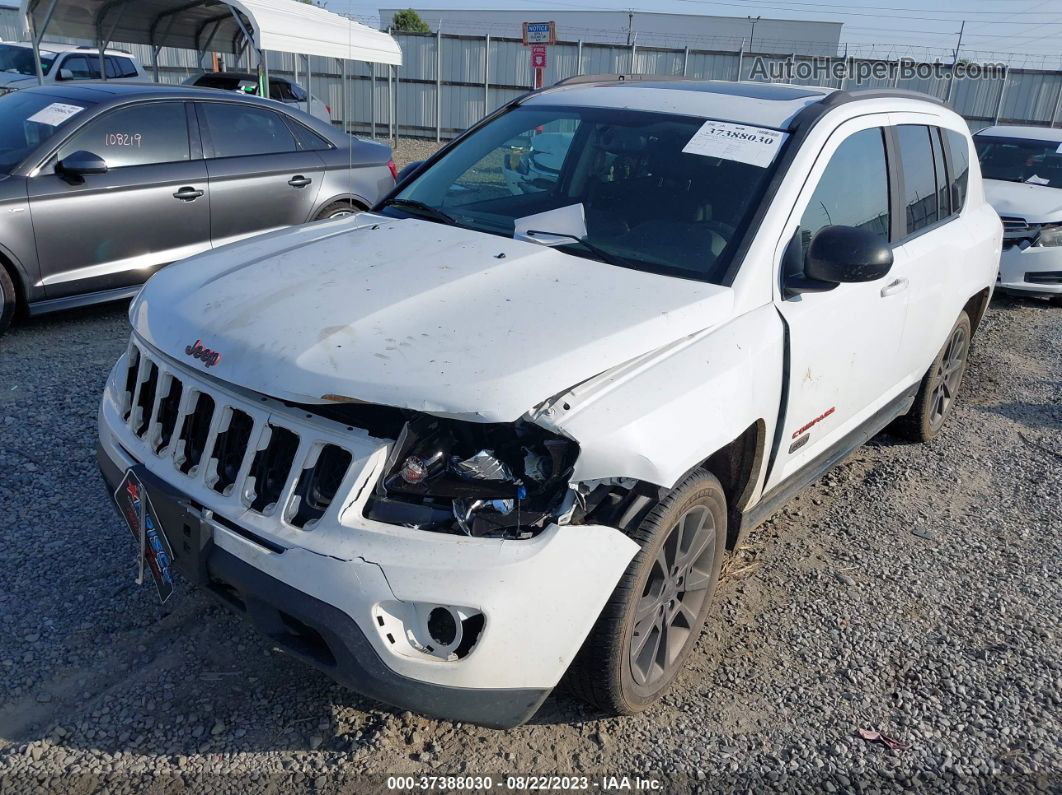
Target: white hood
{"type": "Point", "coordinates": [414, 314]}
{"type": "Point", "coordinates": [1036, 204]}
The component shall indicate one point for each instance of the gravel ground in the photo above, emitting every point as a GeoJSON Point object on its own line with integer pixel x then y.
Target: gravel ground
{"type": "Point", "coordinates": [406, 150]}
{"type": "Point", "coordinates": [914, 591]}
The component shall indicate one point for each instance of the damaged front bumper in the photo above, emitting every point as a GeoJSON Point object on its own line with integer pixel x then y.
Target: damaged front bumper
{"type": "Point", "coordinates": [1031, 270]}
{"type": "Point", "coordinates": [469, 629]}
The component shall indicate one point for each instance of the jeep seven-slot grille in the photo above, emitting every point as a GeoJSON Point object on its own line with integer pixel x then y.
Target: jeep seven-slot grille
{"type": "Point", "coordinates": [232, 452]}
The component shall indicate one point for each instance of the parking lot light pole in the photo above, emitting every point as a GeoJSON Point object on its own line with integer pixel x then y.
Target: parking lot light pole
{"type": "Point", "coordinates": [438, 84]}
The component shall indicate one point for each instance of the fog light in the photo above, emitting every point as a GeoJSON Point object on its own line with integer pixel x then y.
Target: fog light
{"type": "Point", "coordinates": [442, 626]}
{"type": "Point", "coordinates": [418, 629]}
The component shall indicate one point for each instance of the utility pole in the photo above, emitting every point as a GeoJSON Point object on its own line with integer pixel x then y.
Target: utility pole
{"type": "Point", "coordinates": [954, 62]}
{"type": "Point", "coordinates": [630, 27]}
{"type": "Point", "coordinates": [752, 36]}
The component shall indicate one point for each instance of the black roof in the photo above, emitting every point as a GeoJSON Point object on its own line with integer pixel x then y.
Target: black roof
{"type": "Point", "coordinates": [103, 90]}
{"type": "Point", "coordinates": [753, 90]}
{"type": "Point", "coordinates": [750, 90]}
{"type": "Point", "coordinates": [103, 93]}
{"type": "Point", "coordinates": [116, 91]}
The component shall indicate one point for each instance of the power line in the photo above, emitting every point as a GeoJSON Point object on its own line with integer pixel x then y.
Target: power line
{"type": "Point", "coordinates": [802, 6]}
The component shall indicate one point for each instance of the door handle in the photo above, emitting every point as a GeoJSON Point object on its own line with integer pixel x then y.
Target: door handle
{"type": "Point", "coordinates": [188, 194]}
{"type": "Point", "coordinates": [299, 181]}
{"type": "Point", "coordinates": [893, 287]}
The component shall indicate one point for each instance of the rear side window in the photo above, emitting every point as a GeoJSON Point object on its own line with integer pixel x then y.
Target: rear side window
{"type": "Point", "coordinates": [239, 130]}
{"type": "Point", "coordinates": [309, 141]}
{"type": "Point", "coordinates": [285, 91]}
{"type": "Point", "coordinates": [958, 168]}
{"type": "Point", "coordinates": [120, 67]}
{"type": "Point", "coordinates": [141, 135]}
{"type": "Point", "coordinates": [853, 190]}
{"type": "Point", "coordinates": [919, 177]}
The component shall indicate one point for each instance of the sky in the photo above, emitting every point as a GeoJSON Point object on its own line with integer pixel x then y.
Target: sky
{"type": "Point", "coordinates": [1030, 29]}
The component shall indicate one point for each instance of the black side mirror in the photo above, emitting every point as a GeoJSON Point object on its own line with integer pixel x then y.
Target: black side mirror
{"type": "Point", "coordinates": [80, 163]}
{"type": "Point", "coordinates": [839, 254]}
{"type": "Point", "coordinates": [407, 170]}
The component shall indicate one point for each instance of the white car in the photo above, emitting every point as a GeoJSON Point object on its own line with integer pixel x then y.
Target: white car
{"type": "Point", "coordinates": [455, 448]}
{"type": "Point", "coordinates": [61, 63]}
{"type": "Point", "coordinates": [1022, 169]}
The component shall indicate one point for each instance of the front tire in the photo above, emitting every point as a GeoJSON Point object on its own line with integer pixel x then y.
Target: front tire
{"type": "Point", "coordinates": [940, 386]}
{"type": "Point", "coordinates": [8, 300]}
{"type": "Point", "coordinates": [655, 615]}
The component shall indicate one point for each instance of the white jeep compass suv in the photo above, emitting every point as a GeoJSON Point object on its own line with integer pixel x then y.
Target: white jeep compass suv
{"type": "Point", "coordinates": [458, 447]}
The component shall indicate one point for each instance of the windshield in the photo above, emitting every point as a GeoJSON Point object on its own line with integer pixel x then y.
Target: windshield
{"type": "Point", "coordinates": [28, 119]}
{"type": "Point", "coordinates": [19, 60]}
{"type": "Point", "coordinates": [617, 179]}
{"type": "Point", "coordinates": [1020, 160]}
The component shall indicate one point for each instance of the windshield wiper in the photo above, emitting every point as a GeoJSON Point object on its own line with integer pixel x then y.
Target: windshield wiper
{"type": "Point", "coordinates": [597, 251]}
{"type": "Point", "coordinates": [420, 208]}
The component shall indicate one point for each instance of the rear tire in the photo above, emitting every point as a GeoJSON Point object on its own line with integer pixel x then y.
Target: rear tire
{"type": "Point", "coordinates": [8, 300]}
{"type": "Point", "coordinates": [1056, 300]}
{"type": "Point", "coordinates": [652, 621]}
{"type": "Point", "coordinates": [339, 210]}
{"type": "Point", "coordinates": [939, 388]}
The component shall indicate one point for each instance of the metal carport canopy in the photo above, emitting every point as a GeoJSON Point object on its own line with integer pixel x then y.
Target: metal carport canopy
{"type": "Point", "coordinates": [279, 25]}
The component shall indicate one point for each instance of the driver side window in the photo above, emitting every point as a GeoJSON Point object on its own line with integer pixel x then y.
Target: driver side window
{"type": "Point", "coordinates": [140, 135]}
{"type": "Point", "coordinates": [853, 190]}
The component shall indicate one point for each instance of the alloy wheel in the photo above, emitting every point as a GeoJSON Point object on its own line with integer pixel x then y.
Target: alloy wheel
{"type": "Point", "coordinates": [947, 377]}
{"type": "Point", "coordinates": [673, 598]}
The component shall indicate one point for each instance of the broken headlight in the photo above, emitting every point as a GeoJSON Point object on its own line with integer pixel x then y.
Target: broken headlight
{"type": "Point", "coordinates": [501, 480]}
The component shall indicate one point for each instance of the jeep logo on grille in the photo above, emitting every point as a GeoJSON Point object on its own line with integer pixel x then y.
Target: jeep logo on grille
{"type": "Point", "coordinates": [199, 351]}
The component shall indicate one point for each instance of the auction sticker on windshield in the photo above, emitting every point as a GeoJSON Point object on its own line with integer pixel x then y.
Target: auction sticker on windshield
{"type": "Point", "coordinates": [756, 146]}
{"type": "Point", "coordinates": [55, 114]}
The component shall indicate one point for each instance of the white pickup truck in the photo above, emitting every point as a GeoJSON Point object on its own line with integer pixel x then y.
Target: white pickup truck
{"type": "Point", "coordinates": [456, 448]}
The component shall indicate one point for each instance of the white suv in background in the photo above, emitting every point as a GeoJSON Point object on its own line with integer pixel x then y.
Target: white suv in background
{"type": "Point", "coordinates": [459, 446]}
{"type": "Point", "coordinates": [1022, 169]}
{"type": "Point", "coordinates": [62, 62]}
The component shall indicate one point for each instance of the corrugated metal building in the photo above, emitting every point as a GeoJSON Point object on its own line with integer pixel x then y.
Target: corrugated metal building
{"type": "Point", "coordinates": [696, 31]}
{"type": "Point", "coordinates": [448, 82]}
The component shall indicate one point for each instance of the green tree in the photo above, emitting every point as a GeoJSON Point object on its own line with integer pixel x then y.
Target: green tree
{"type": "Point", "coordinates": [409, 21]}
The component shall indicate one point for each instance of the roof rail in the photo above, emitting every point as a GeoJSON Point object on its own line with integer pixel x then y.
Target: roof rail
{"type": "Point", "coordinates": [91, 48]}
{"type": "Point", "coordinates": [850, 95]}
{"type": "Point", "coordinates": [615, 78]}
